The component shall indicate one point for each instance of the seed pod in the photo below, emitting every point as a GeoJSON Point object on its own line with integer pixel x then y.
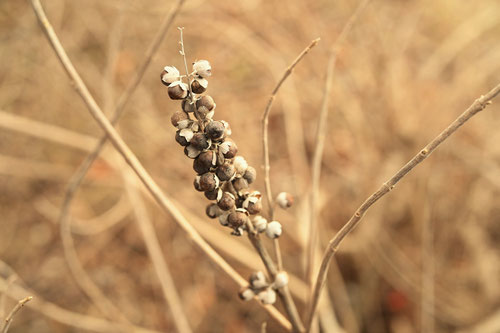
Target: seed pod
{"type": "Point", "coordinates": [253, 204]}
{"type": "Point", "coordinates": [223, 219]}
{"type": "Point", "coordinates": [225, 172]}
{"type": "Point", "coordinates": [215, 194]}
{"type": "Point", "coordinates": [187, 106]}
{"type": "Point", "coordinates": [240, 184]}
{"type": "Point", "coordinates": [228, 148]}
{"type": "Point", "coordinates": [215, 130]}
{"type": "Point", "coordinates": [250, 174]}
{"type": "Point", "coordinates": [280, 280]}
{"type": "Point", "coordinates": [169, 75]}
{"type": "Point", "coordinates": [284, 200]}
{"type": "Point", "coordinates": [220, 159]}
{"type": "Point", "coordinates": [273, 229]}
{"type": "Point", "coordinates": [227, 201]}
{"type": "Point", "coordinates": [246, 294]}
{"type": "Point", "coordinates": [205, 101]}
{"type": "Point", "coordinates": [260, 223]}
{"type": "Point", "coordinates": [191, 152]}
{"type": "Point", "coordinates": [199, 85]}
{"type": "Point", "coordinates": [202, 68]}
{"type": "Point", "coordinates": [258, 280]}
{"type": "Point", "coordinates": [196, 184]}
{"type": "Point", "coordinates": [178, 90]}
{"type": "Point", "coordinates": [213, 211]}
{"type": "Point", "coordinates": [267, 296]}
{"type": "Point", "coordinates": [184, 136]}
{"type": "Point", "coordinates": [204, 162]}
{"type": "Point", "coordinates": [237, 219]}
{"type": "Point", "coordinates": [209, 182]}
{"type": "Point", "coordinates": [179, 116]}
{"type": "Point", "coordinates": [240, 165]}
{"type": "Point", "coordinates": [200, 141]}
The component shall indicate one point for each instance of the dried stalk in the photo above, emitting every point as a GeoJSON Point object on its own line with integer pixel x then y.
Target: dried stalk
{"type": "Point", "coordinates": [478, 105]}
{"type": "Point", "coordinates": [134, 163]}
{"type": "Point", "coordinates": [11, 315]}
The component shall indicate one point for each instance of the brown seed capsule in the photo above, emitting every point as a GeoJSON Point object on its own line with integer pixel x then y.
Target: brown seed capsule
{"type": "Point", "coordinates": [169, 75]}
{"type": "Point", "coordinates": [215, 130]}
{"type": "Point", "coordinates": [177, 90]}
{"type": "Point", "coordinates": [250, 174]}
{"type": "Point", "coordinates": [187, 106]}
{"type": "Point", "coordinates": [183, 136]}
{"type": "Point", "coordinates": [191, 152]}
{"type": "Point", "coordinates": [228, 148]}
{"type": "Point", "coordinates": [237, 219]}
{"type": "Point", "coordinates": [240, 184]}
{"type": "Point", "coordinates": [203, 162]}
{"type": "Point", "coordinates": [227, 201]}
{"type": "Point", "coordinates": [205, 101]}
{"type": "Point", "coordinates": [209, 181]}
{"type": "Point", "coordinates": [214, 194]}
{"type": "Point", "coordinates": [199, 85]}
{"type": "Point", "coordinates": [213, 211]}
{"type": "Point", "coordinates": [177, 117]}
{"type": "Point", "coordinates": [220, 159]}
{"type": "Point", "coordinates": [200, 141]}
{"type": "Point", "coordinates": [225, 172]}
{"type": "Point", "coordinates": [196, 184]}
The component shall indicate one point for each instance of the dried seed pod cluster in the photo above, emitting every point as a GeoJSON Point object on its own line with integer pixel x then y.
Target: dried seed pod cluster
{"type": "Point", "coordinates": [264, 290]}
{"type": "Point", "coordinates": [222, 175]}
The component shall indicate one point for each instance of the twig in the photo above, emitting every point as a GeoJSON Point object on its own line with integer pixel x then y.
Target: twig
{"type": "Point", "coordinates": [478, 105]}
{"type": "Point", "coordinates": [153, 188]}
{"type": "Point", "coordinates": [320, 141]}
{"type": "Point", "coordinates": [11, 315]}
{"type": "Point", "coordinates": [265, 123]}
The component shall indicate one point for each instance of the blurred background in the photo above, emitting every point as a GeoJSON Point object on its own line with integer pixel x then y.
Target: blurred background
{"type": "Point", "coordinates": [425, 258]}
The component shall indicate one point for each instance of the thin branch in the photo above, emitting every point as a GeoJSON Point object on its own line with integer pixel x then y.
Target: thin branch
{"type": "Point", "coordinates": [478, 105]}
{"type": "Point", "coordinates": [265, 123]}
{"type": "Point", "coordinates": [11, 315]}
{"type": "Point", "coordinates": [320, 141]}
{"type": "Point", "coordinates": [153, 188]}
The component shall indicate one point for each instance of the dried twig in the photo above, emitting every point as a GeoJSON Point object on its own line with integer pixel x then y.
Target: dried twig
{"type": "Point", "coordinates": [478, 105]}
{"type": "Point", "coordinates": [134, 163]}
{"type": "Point", "coordinates": [11, 315]}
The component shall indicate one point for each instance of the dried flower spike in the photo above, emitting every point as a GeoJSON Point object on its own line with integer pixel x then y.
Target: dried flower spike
{"type": "Point", "coordinates": [284, 200]}
{"type": "Point", "coordinates": [202, 68]}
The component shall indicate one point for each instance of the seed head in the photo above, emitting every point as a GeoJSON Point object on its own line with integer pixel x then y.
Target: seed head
{"type": "Point", "coordinates": [178, 90]}
{"type": "Point", "coordinates": [202, 68]}
{"type": "Point", "coordinates": [227, 201]}
{"type": "Point", "coordinates": [169, 75]}
{"type": "Point", "coordinates": [284, 200]}
{"type": "Point", "coordinates": [273, 229]}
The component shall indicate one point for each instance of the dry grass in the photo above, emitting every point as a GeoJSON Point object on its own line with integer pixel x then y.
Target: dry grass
{"type": "Point", "coordinates": [406, 70]}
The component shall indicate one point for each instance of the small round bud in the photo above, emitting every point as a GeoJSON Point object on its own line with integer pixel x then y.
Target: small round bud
{"type": "Point", "coordinates": [209, 182]}
{"type": "Point", "coordinates": [246, 294]}
{"type": "Point", "coordinates": [200, 141]}
{"type": "Point", "coordinates": [240, 165]}
{"type": "Point", "coordinates": [199, 85]}
{"type": "Point", "coordinates": [260, 223]}
{"type": "Point", "coordinates": [250, 174]}
{"type": "Point", "coordinates": [223, 219]}
{"type": "Point", "coordinates": [215, 130]}
{"type": "Point", "coordinates": [267, 296]}
{"type": "Point", "coordinates": [284, 200]}
{"type": "Point", "coordinates": [202, 68]}
{"type": "Point", "coordinates": [237, 219]}
{"type": "Point", "coordinates": [169, 75]}
{"type": "Point", "coordinates": [191, 152]}
{"type": "Point", "coordinates": [213, 211]}
{"type": "Point", "coordinates": [225, 172]}
{"type": "Point", "coordinates": [178, 90]}
{"type": "Point", "coordinates": [187, 106]}
{"type": "Point", "coordinates": [179, 116]}
{"type": "Point", "coordinates": [228, 148]}
{"type": "Point", "coordinates": [280, 280]}
{"type": "Point", "coordinates": [215, 194]}
{"type": "Point", "coordinates": [184, 136]}
{"type": "Point", "coordinates": [273, 229]}
{"type": "Point", "coordinates": [196, 184]}
{"type": "Point", "coordinates": [227, 201]}
{"type": "Point", "coordinates": [240, 184]}
{"type": "Point", "coordinates": [204, 162]}
{"type": "Point", "coordinates": [205, 101]}
{"type": "Point", "coordinates": [258, 280]}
